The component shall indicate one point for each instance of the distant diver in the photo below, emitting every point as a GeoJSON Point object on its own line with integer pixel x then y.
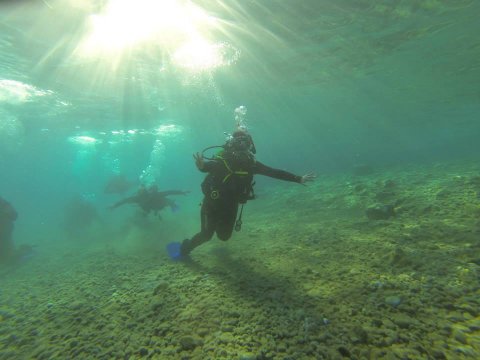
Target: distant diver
{"type": "Point", "coordinates": [8, 253]}
{"type": "Point", "coordinates": [8, 216]}
{"type": "Point", "coordinates": [151, 200]}
{"type": "Point", "coordinates": [229, 182]}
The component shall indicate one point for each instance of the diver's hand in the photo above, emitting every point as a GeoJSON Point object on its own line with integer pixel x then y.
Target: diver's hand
{"type": "Point", "coordinates": [199, 161]}
{"type": "Point", "coordinates": [307, 177]}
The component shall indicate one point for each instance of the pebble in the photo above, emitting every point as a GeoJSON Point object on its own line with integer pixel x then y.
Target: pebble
{"type": "Point", "coordinates": [393, 300]}
{"type": "Point", "coordinates": [6, 314]}
{"type": "Point", "coordinates": [247, 357]}
{"type": "Point", "coordinates": [361, 335]}
{"type": "Point", "coordinates": [438, 354]}
{"type": "Point", "coordinates": [467, 351]}
{"type": "Point", "coordinates": [460, 336]}
{"type": "Point", "coordinates": [344, 351]}
{"type": "Point", "coordinates": [403, 321]}
{"type": "Point", "coordinates": [187, 343]}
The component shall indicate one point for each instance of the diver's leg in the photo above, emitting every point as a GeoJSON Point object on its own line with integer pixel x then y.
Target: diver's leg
{"type": "Point", "coordinates": [208, 218]}
{"type": "Point", "coordinates": [227, 220]}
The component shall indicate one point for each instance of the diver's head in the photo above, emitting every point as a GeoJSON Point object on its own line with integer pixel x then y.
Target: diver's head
{"type": "Point", "coordinates": [153, 188]}
{"type": "Point", "coordinates": [240, 141]}
{"type": "Point", "coordinates": [239, 147]}
{"type": "Point", "coordinates": [142, 189]}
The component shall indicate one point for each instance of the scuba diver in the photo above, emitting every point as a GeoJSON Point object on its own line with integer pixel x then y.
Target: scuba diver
{"type": "Point", "coordinates": [151, 200]}
{"type": "Point", "coordinates": [8, 215]}
{"type": "Point", "coordinates": [9, 254]}
{"type": "Point", "coordinates": [229, 183]}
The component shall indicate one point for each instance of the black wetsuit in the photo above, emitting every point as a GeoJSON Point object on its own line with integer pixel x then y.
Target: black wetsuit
{"type": "Point", "coordinates": [8, 215]}
{"type": "Point", "coordinates": [226, 186]}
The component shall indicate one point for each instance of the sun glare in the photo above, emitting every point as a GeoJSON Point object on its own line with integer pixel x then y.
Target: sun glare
{"type": "Point", "coordinates": [198, 55]}
{"type": "Point", "coordinates": [179, 27]}
{"type": "Point", "coordinates": [125, 23]}
{"type": "Point", "coordinates": [16, 92]}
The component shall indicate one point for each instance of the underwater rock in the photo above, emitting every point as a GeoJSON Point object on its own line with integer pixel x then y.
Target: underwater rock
{"type": "Point", "coordinates": [156, 306]}
{"type": "Point", "coordinates": [403, 321]}
{"type": "Point", "coordinates": [247, 357]}
{"type": "Point", "coordinates": [439, 354]}
{"type": "Point", "coordinates": [475, 181]}
{"type": "Point", "coordinates": [380, 212]}
{"type": "Point", "coordinates": [443, 194]}
{"type": "Point", "coordinates": [393, 300]}
{"type": "Point", "coordinates": [360, 189]}
{"type": "Point", "coordinates": [460, 336]}
{"type": "Point", "coordinates": [384, 195]}
{"type": "Point", "coordinates": [143, 352]}
{"type": "Point", "coordinates": [160, 288]}
{"type": "Point", "coordinates": [360, 335]}
{"type": "Point", "coordinates": [188, 343]}
{"type": "Point", "coordinates": [5, 314]}
{"type": "Point", "coordinates": [398, 258]}
{"type": "Point", "coordinates": [389, 184]}
{"type": "Point", "coordinates": [362, 169]}
{"type": "Point", "coordinates": [344, 352]}
{"type": "Point", "coordinates": [465, 351]}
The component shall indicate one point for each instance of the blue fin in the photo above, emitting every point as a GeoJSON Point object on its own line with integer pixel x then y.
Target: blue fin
{"type": "Point", "coordinates": [174, 252]}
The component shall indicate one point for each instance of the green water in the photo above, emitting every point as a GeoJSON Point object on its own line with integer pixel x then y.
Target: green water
{"type": "Point", "coordinates": [329, 86]}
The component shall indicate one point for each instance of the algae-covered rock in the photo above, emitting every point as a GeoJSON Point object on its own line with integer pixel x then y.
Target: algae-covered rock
{"type": "Point", "coordinates": [188, 343]}
{"type": "Point", "coordinates": [344, 352]}
{"type": "Point", "coordinates": [393, 300]}
{"type": "Point", "coordinates": [460, 336]}
{"type": "Point", "coordinates": [363, 169]}
{"type": "Point", "coordinates": [143, 351]}
{"type": "Point", "coordinates": [389, 184]}
{"type": "Point", "coordinates": [247, 356]}
{"type": "Point", "coordinates": [384, 195]}
{"type": "Point", "coordinates": [398, 258]}
{"type": "Point", "coordinates": [404, 321]}
{"type": "Point", "coordinates": [380, 212]}
{"type": "Point", "coordinates": [360, 335]}
{"type": "Point", "coordinates": [160, 288]}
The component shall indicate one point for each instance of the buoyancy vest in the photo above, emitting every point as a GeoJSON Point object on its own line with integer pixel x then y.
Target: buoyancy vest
{"type": "Point", "coordinates": [234, 180]}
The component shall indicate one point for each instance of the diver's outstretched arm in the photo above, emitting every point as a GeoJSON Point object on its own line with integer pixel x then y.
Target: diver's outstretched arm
{"type": "Point", "coordinates": [174, 192]}
{"type": "Point", "coordinates": [129, 200]}
{"type": "Point", "coordinates": [263, 169]}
